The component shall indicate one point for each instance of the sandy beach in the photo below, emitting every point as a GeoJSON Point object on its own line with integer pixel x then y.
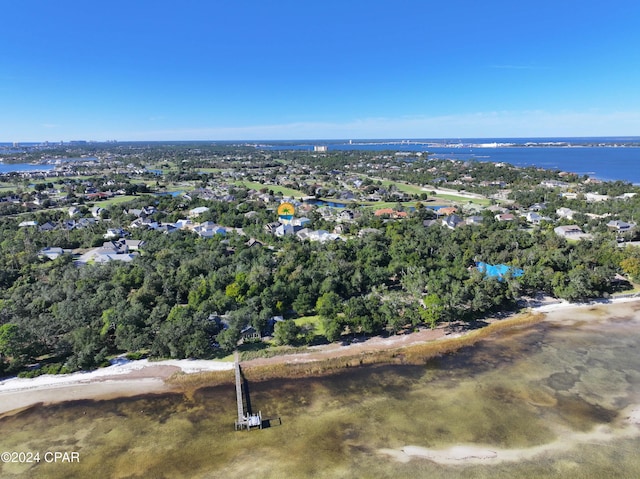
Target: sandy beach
{"type": "Point", "coordinates": [129, 378]}
{"type": "Point", "coordinates": [122, 379]}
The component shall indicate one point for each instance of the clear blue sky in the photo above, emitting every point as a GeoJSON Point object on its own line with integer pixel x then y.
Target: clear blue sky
{"type": "Point", "coordinates": [317, 69]}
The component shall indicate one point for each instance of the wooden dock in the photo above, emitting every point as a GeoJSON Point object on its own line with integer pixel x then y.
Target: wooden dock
{"type": "Point", "coordinates": [245, 419]}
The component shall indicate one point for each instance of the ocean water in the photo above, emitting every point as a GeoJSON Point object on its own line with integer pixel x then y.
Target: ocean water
{"type": "Point", "coordinates": [607, 159]}
{"type": "Point", "coordinates": [19, 167]}
{"type": "Point", "coordinates": [604, 163]}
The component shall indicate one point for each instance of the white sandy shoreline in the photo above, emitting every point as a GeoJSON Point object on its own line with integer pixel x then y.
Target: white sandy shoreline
{"type": "Point", "coordinates": [122, 378]}
{"type": "Point", "coordinates": [128, 378]}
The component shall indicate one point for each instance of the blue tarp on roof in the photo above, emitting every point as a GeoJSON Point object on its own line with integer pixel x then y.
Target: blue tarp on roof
{"type": "Point", "coordinates": [498, 270]}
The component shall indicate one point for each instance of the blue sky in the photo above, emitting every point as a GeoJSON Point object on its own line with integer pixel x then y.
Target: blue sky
{"type": "Point", "coordinates": [251, 70]}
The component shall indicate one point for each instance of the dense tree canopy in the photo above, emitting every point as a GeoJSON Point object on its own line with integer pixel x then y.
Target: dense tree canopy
{"type": "Point", "coordinates": [190, 296]}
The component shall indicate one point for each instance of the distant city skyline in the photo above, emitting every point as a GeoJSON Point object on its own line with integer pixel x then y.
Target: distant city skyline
{"type": "Point", "coordinates": [290, 70]}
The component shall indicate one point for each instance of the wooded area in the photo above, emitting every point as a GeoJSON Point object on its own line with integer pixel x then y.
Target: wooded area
{"type": "Point", "coordinates": [168, 301]}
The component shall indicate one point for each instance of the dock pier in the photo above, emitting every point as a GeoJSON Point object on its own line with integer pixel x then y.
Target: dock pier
{"type": "Point", "coordinates": [245, 419]}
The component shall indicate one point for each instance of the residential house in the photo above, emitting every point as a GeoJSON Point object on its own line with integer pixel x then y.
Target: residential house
{"type": "Point", "coordinates": [537, 207]}
{"type": "Point", "coordinates": [497, 209]}
{"type": "Point", "coordinates": [144, 223]}
{"type": "Point", "coordinates": [84, 222]}
{"type": "Point", "coordinates": [505, 217]}
{"type": "Point", "coordinates": [570, 232]}
{"type": "Point", "coordinates": [446, 211]}
{"type": "Point", "coordinates": [133, 212]}
{"type": "Point", "coordinates": [184, 224]}
{"type": "Point", "coordinates": [472, 208]}
{"type": "Point", "coordinates": [345, 216]}
{"type": "Point", "coordinates": [108, 257]}
{"type": "Point", "coordinates": [28, 224]}
{"type": "Point", "coordinates": [197, 211]}
{"type": "Point", "coordinates": [254, 242]}
{"type": "Point", "coordinates": [115, 233]}
{"type": "Point", "coordinates": [302, 222]}
{"type": "Point", "coordinates": [474, 220]}
{"type": "Point", "coordinates": [110, 251]}
{"type": "Point", "coordinates": [271, 227]}
{"type": "Point", "coordinates": [100, 195]}
{"type": "Point", "coordinates": [249, 334]}
{"type": "Point", "coordinates": [148, 211]}
{"type": "Point", "coordinates": [208, 229]}
{"type": "Point", "coordinates": [390, 212]}
{"type": "Point", "coordinates": [303, 234]}
{"type": "Point", "coordinates": [595, 197]}
{"type": "Point", "coordinates": [620, 226]}
{"type": "Point", "coordinates": [51, 252]}
{"type": "Point", "coordinates": [347, 195]}
{"type": "Point", "coordinates": [565, 213]}
{"type": "Point", "coordinates": [48, 226]}
{"type": "Point", "coordinates": [326, 212]}
{"type": "Point", "coordinates": [385, 212]}
{"type": "Point", "coordinates": [535, 218]}
{"type": "Point", "coordinates": [132, 245]}
{"type": "Point", "coordinates": [452, 221]}
{"type": "Point", "coordinates": [97, 211]}
{"type": "Point", "coordinates": [272, 321]}
{"type": "Point", "coordinates": [166, 228]}
{"type": "Point", "coordinates": [626, 196]}
{"type": "Point", "coordinates": [73, 211]}
{"type": "Point", "coordinates": [284, 230]}
{"type": "Point", "coordinates": [570, 195]}
{"type": "Point", "coordinates": [554, 184]}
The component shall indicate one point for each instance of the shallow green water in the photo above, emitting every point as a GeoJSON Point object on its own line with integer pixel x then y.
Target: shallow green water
{"type": "Point", "coordinates": [548, 387]}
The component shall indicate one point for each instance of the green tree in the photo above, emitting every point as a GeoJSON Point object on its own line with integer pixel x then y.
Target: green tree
{"type": "Point", "coordinates": [286, 332]}
{"type": "Point", "coordinates": [15, 344]}
{"type": "Point", "coordinates": [329, 305]}
{"type": "Point", "coordinates": [431, 314]}
{"type": "Point", "coordinates": [631, 266]}
{"type": "Point", "coordinates": [333, 327]}
{"type": "Point", "coordinates": [228, 339]}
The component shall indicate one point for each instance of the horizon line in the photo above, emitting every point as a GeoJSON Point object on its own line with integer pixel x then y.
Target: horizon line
{"type": "Point", "coordinates": [379, 139]}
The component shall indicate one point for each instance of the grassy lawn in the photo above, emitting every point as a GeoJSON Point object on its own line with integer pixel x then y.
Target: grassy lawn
{"type": "Point", "coordinates": [276, 188]}
{"type": "Point", "coordinates": [312, 320]}
{"type": "Point", "coordinates": [172, 187]}
{"type": "Point", "coordinates": [462, 199]}
{"type": "Point", "coordinates": [378, 205]}
{"type": "Point", "coordinates": [404, 187]}
{"type": "Point", "coordinates": [115, 200]}
{"type": "Point", "coordinates": [417, 190]}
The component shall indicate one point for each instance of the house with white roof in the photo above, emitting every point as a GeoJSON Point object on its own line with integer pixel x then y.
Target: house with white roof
{"type": "Point", "coordinates": [284, 230]}
{"type": "Point", "coordinates": [565, 213]}
{"type": "Point", "coordinates": [51, 252]}
{"type": "Point", "coordinates": [208, 229]}
{"type": "Point", "coordinates": [536, 218]}
{"type": "Point", "coordinates": [571, 232]}
{"type": "Point", "coordinates": [197, 211]}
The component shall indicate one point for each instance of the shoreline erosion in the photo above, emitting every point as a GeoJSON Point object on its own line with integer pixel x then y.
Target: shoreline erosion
{"type": "Point", "coordinates": [132, 378]}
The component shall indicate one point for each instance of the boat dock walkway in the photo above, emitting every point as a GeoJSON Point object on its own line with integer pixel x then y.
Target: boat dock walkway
{"type": "Point", "coordinates": [245, 420]}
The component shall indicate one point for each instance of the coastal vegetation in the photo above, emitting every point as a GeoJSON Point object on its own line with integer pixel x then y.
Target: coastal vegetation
{"type": "Point", "coordinates": [188, 294]}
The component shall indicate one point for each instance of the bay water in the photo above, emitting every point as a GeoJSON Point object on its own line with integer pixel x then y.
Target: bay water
{"type": "Point", "coordinates": [608, 159]}
{"type": "Point", "coordinates": [552, 399]}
